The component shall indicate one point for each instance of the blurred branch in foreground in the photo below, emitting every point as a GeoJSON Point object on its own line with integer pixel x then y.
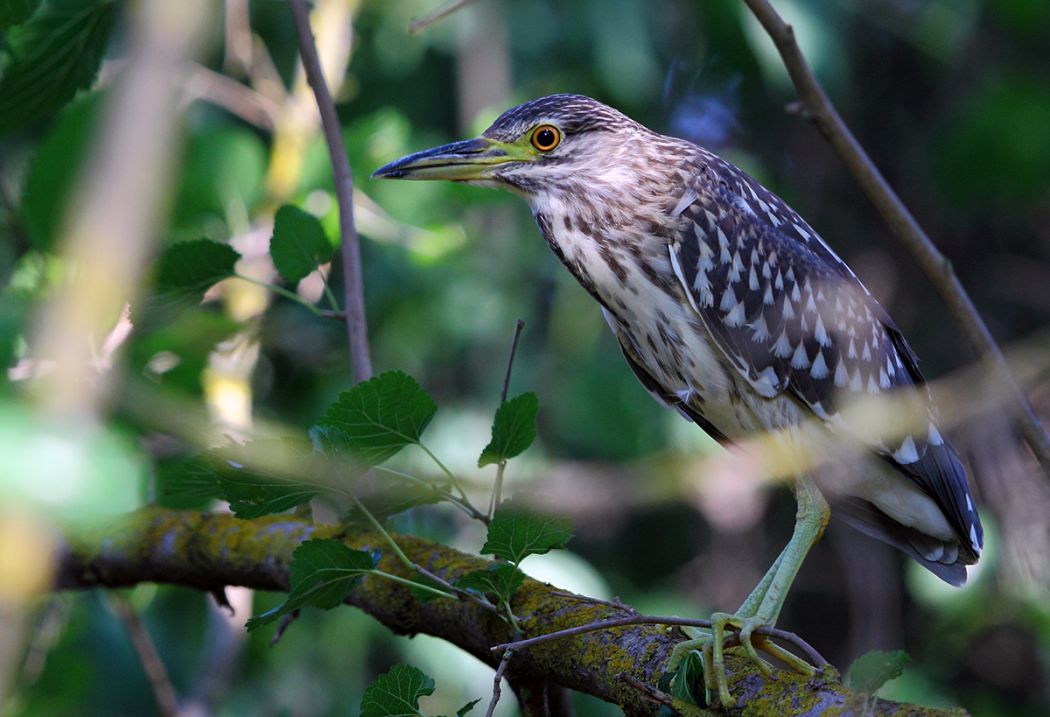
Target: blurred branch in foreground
{"type": "Point", "coordinates": [818, 109]}
{"type": "Point", "coordinates": [213, 551]}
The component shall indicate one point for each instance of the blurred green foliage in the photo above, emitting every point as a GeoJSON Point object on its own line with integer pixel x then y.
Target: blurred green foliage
{"type": "Point", "coordinates": [952, 100]}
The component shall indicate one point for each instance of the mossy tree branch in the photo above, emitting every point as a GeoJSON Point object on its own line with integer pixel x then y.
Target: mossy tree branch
{"type": "Point", "coordinates": [209, 552]}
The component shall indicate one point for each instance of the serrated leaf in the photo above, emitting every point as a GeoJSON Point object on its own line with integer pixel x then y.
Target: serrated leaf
{"type": "Point", "coordinates": [322, 573]}
{"type": "Point", "coordinates": [517, 532]}
{"type": "Point", "coordinates": [396, 693]}
{"type": "Point", "coordinates": [513, 430]}
{"type": "Point", "coordinates": [377, 418]}
{"type": "Point", "coordinates": [298, 245]}
{"type": "Point", "coordinates": [499, 579]}
{"type": "Point", "coordinates": [15, 12]}
{"type": "Point", "coordinates": [57, 52]}
{"type": "Point", "coordinates": [873, 669]}
{"type": "Point", "coordinates": [183, 273]}
{"type": "Point", "coordinates": [467, 708]}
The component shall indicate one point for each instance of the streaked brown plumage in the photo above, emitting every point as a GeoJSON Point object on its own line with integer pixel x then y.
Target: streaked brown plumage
{"type": "Point", "coordinates": [731, 309]}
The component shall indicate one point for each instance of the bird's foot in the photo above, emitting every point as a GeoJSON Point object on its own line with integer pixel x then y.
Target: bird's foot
{"type": "Point", "coordinates": [730, 634]}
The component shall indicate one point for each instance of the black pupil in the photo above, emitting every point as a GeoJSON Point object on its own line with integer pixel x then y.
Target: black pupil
{"type": "Point", "coordinates": [545, 138]}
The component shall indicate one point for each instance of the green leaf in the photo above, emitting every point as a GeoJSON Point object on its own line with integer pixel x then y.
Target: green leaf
{"type": "Point", "coordinates": [396, 693]}
{"type": "Point", "coordinates": [260, 477]}
{"type": "Point", "coordinates": [323, 572]}
{"type": "Point", "coordinates": [184, 272]}
{"type": "Point", "coordinates": [513, 430]}
{"type": "Point", "coordinates": [185, 484]}
{"type": "Point", "coordinates": [298, 245]}
{"type": "Point", "coordinates": [57, 52]}
{"type": "Point", "coordinates": [377, 418]}
{"type": "Point", "coordinates": [688, 678]}
{"type": "Point", "coordinates": [498, 578]}
{"type": "Point", "coordinates": [873, 669]}
{"type": "Point", "coordinates": [516, 533]}
{"type": "Point", "coordinates": [15, 12]}
{"type": "Point", "coordinates": [467, 707]}
{"type": "Point", "coordinates": [54, 168]}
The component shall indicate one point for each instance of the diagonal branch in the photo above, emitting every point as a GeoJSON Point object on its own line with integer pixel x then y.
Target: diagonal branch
{"type": "Point", "coordinates": [818, 108]}
{"type": "Point", "coordinates": [209, 552]}
{"type": "Point", "coordinates": [356, 322]}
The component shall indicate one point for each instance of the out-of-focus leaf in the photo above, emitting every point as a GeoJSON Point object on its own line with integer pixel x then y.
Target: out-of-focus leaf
{"type": "Point", "coordinates": [516, 533]}
{"type": "Point", "coordinates": [377, 418]}
{"type": "Point", "coordinates": [57, 52]}
{"type": "Point", "coordinates": [54, 168]}
{"type": "Point", "coordinates": [467, 707]}
{"type": "Point", "coordinates": [513, 430]}
{"type": "Point", "coordinates": [12, 311]}
{"type": "Point", "coordinates": [15, 12]}
{"type": "Point", "coordinates": [996, 150]}
{"type": "Point", "coordinates": [176, 355]}
{"type": "Point", "coordinates": [873, 669]}
{"type": "Point", "coordinates": [224, 168]}
{"type": "Point", "coordinates": [260, 477]}
{"type": "Point", "coordinates": [185, 484]}
{"type": "Point", "coordinates": [499, 579]}
{"type": "Point", "coordinates": [396, 693]}
{"type": "Point", "coordinates": [323, 572]}
{"type": "Point", "coordinates": [183, 273]}
{"type": "Point", "coordinates": [298, 245]}
{"type": "Point", "coordinates": [386, 495]}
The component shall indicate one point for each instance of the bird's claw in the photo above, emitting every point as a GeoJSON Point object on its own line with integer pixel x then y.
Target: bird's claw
{"type": "Point", "coordinates": [731, 633]}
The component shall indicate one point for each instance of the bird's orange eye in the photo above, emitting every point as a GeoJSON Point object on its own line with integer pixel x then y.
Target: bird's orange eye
{"type": "Point", "coordinates": [546, 137]}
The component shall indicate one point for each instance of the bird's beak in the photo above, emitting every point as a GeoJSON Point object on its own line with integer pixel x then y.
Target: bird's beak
{"type": "Point", "coordinates": [469, 160]}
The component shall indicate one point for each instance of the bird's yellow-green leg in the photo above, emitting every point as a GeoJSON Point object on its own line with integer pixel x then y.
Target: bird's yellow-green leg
{"type": "Point", "coordinates": [762, 607]}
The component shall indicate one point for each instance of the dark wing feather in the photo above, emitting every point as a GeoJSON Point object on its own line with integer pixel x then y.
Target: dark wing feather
{"type": "Point", "coordinates": [792, 317]}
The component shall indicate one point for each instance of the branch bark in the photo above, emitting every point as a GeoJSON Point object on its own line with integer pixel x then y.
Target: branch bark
{"type": "Point", "coordinates": [818, 108]}
{"type": "Point", "coordinates": [209, 552]}
{"type": "Point", "coordinates": [350, 246]}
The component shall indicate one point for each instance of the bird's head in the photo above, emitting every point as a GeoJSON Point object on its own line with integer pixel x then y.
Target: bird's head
{"type": "Point", "coordinates": [553, 144]}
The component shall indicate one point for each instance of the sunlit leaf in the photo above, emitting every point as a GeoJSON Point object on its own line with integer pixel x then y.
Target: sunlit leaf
{"type": "Point", "coordinates": [513, 430]}
{"type": "Point", "coordinates": [57, 52]}
{"type": "Point", "coordinates": [322, 574]}
{"type": "Point", "coordinates": [516, 532]}
{"type": "Point", "coordinates": [298, 245]}
{"type": "Point", "coordinates": [498, 578]}
{"type": "Point", "coordinates": [873, 669]}
{"type": "Point", "coordinates": [377, 418]}
{"type": "Point", "coordinates": [396, 693]}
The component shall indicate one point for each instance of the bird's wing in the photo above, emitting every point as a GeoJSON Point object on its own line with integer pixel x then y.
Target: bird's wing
{"type": "Point", "coordinates": [792, 317]}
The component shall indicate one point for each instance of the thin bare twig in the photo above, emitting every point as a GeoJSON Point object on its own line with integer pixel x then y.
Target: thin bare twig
{"type": "Point", "coordinates": [163, 691]}
{"type": "Point", "coordinates": [819, 109]}
{"type": "Point", "coordinates": [356, 324]}
{"type": "Point", "coordinates": [648, 690]}
{"type": "Point", "coordinates": [420, 24]}
{"type": "Point", "coordinates": [496, 689]}
{"type": "Point", "coordinates": [497, 488]}
{"type": "Point", "coordinates": [808, 650]}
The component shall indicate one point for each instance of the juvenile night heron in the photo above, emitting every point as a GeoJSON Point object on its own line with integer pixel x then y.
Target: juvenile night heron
{"type": "Point", "coordinates": [731, 309]}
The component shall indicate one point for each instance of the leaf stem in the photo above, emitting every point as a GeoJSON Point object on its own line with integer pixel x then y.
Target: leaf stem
{"type": "Point", "coordinates": [413, 584]}
{"type": "Point", "coordinates": [415, 567]}
{"type": "Point", "coordinates": [449, 474]}
{"type": "Point", "coordinates": [497, 488]}
{"type": "Point", "coordinates": [281, 291]}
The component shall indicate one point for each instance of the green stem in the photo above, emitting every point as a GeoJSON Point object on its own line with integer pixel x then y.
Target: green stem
{"type": "Point", "coordinates": [281, 291]}
{"type": "Point", "coordinates": [328, 292]}
{"type": "Point", "coordinates": [413, 584]}
{"type": "Point", "coordinates": [449, 474]}
{"type": "Point", "coordinates": [445, 495]}
{"type": "Point", "coordinates": [386, 536]}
